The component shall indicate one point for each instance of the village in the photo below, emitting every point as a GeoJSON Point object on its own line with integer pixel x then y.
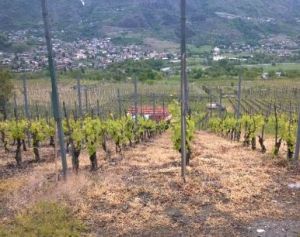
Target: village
{"type": "Point", "coordinates": [84, 53]}
{"type": "Point", "coordinates": [98, 53]}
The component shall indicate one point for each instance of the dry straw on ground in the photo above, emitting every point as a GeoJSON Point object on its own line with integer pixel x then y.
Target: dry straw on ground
{"type": "Point", "coordinates": [229, 187]}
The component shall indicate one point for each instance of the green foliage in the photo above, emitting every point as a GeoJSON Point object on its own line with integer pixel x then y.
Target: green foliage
{"type": "Point", "coordinates": [77, 133]}
{"type": "Point", "coordinates": [17, 129]}
{"type": "Point", "coordinates": [4, 42]}
{"type": "Point", "coordinates": [138, 16]}
{"type": "Point", "coordinates": [215, 125]}
{"type": "Point", "coordinates": [46, 219]}
{"type": "Point", "coordinates": [39, 130]}
{"type": "Point", "coordinates": [127, 41]}
{"type": "Point", "coordinates": [253, 125]}
{"type": "Point", "coordinates": [117, 131]}
{"type": "Point", "coordinates": [92, 128]}
{"type": "Point", "coordinates": [6, 88]}
{"type": "Point", "coordinates": [143, 70]}
{"type": "Point", "coordinates": [225, 69]}
{"type": "Point", "coordinates": [3, 127]}
{"type": "Point", "coordinates": [86, 133]}
{"type": "Point", "coordinates": [175, 111]}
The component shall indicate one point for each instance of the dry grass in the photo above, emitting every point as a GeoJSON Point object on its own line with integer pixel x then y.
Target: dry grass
{"type": "Point", "coordinates": [228, 188]}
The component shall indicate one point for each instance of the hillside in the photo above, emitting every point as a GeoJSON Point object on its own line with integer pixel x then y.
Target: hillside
{"type": "Point", "coordinates": [231, 191]}
{"type": "Point", "coordinates": [209, 21]}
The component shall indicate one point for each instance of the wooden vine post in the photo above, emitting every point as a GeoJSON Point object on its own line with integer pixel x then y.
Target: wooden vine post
{"type": "Point", "coordinates": [135, 99]}
{"type": "Point", "coordinates": [297, 148]}
{"type": "Point", "coordinates": [239, 95]}
{"type": "Point", "coordinates": [54, 95]}
{"type": "Point", "coordinates": [79, 97]}
{"type": "Point", "coordinates": [119, 103]}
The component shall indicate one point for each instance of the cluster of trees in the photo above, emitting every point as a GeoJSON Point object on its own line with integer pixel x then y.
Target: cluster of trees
{"type": "Point", "coordinates": [7, 46]}
{"type": "Point", "coordinates": [4, 42]}
{"type": "Point", "coordinates": [225, 69]}
{"type": "Point", "coordinates": [123, 40]}
{"type": "Point", "coordinates": [143, 70]}
{"type": "Point", "coordinates": [6, 88]}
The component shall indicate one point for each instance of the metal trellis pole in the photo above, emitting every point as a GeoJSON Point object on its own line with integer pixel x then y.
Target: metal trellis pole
{"type": "Point", "coordinates": [184, 87]}
{"type": "Point", "coordinates": [54, 95]}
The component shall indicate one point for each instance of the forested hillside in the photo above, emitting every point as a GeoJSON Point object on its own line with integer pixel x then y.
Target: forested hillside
{"type": "Point", "coordinates": [209, 21]}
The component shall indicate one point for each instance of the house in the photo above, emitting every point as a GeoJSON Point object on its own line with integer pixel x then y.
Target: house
{"type": "Point", "coordinates": [265, 76]}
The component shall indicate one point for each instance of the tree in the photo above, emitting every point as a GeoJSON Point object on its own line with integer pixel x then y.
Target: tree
{"type": "Point", "coordinates": [4, 42]}
{"type": "Point", "coordinates": [6, 88]}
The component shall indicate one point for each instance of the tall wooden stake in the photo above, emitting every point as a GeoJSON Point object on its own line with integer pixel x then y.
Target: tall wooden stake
{"type": "Point", "coordinates": [154, 105]}
{"type": "Point", "coordinates": [297, 148]}
{"type": "Point", "coordinates": [55, 96]}
{"type": "Point", "coordinates": [119, 103]}
{"type": "Point", "coordinates": [86, 100]}
{"type": "Point", "coordinates": [25, 92]}
{"type": "Point", "coordinates": [98, 109]}
{"type": "Point", "coordinates": [238, 113]}
{"type": "Point", "coordinates": [26, 106]}
{"type": "Point", "coordinates": [135, 99]}
{"type": "Point", "coordinates": [16, 107]}
{"type": "Point", "coordinates": [79, 97]}
{"type": "Point", "coordinates": [184, 86]}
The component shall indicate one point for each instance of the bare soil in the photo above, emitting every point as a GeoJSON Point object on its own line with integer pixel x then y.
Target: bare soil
{"type": "Point", "coordinates": [230, 191]}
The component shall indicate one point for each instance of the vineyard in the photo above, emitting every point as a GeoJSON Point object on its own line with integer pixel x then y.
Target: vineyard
{"type": "Point", "coordinates": [132, 151]}
{"type": "Point", "coordinates": [94, 113]}
{"type": "Point", "coordinates": [125, 163]}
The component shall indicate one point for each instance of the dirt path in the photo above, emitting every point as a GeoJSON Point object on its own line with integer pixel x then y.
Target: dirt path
{"type": "Point", "coordinates": [230, 191]}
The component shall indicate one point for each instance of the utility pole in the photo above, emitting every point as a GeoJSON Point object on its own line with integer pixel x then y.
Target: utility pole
{"type": "Point", "coordinates": [238, 112]}
{"type": "Point", "coordinates": [54, 96]}
{"type": "Point", "coordinates": [79, 97]}
{"type": "Point", "coordinates": [184, 87]}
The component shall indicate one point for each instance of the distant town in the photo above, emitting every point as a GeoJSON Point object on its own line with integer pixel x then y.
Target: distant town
{"type": "Point", "coordinates": [98, 53]}
{"type": "Point", "coordinates": [94, 53]}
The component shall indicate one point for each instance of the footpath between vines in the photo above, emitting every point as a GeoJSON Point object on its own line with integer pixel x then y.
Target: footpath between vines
{"type": "Point", "coordinates": [229, 192]}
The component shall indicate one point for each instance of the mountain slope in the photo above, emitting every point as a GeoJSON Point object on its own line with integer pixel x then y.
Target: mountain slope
{"type": "Point", "coordinates": [209, 21]}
